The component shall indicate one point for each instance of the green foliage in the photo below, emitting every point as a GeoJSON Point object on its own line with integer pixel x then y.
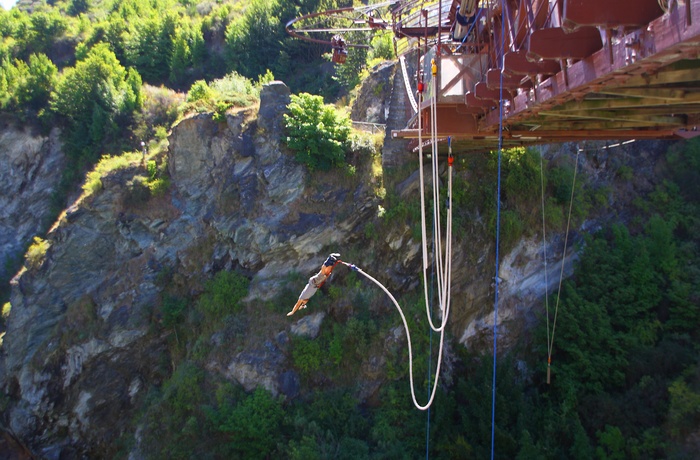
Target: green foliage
{"type": "Point", "coordinates": [684, 410]}
{"type": "Point", "coordinates": [252, 40]}
{"type": "Point", "coordinates": [316, 132]}
{"type": "Point", "coordinates": [149, 45]}
{"type": "Point", "coordinates": [107, 165]}
{"type": "Point", "coordinates": [172, 421]}
{"type": "Point", "coordinates": [76, 7]}
{"type": "Point", "coordinates": [306, 356]}
{"type": "Point", "coordinates": [6, 309]}
{"type": "Point", "coordinates": [382, 47]}
{"type": "Point", "coordinates": [625, 173]}
{"type": "Point", "coordinates": [199, 91]}
{"type": "Point", "coordinates": [402, 211]}
{"type": "Point", "coordinates": [251, 427]}
{"type": "Point", "coordinates": [612, 444]}
{"type": "Point", "coordinates": [188, 51]}
{"type": "Point", "coordinates": [27, 85]}
{"type": "Point", "coordinates": [222, 296]}
{"type": "Point", "coordinates": [560, 183]}
{"type": "Point", "coordinates": [511, 228]}
{"type": "Point", "coordinates": [173, 311]}
{"type": "Point", "coordinates": [36, 253]}
{"type": "Point", "coordinates": [521, 174]}
{"type": "Point", "coordinates": [45, 27]}
{"type": "Point", "coordinates": [93, 97]}
{"type": "Point", "coordinates": [233, 90]}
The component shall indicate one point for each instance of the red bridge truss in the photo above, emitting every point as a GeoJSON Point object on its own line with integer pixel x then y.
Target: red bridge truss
{"type": "Point", "coordinates": [552, 70]}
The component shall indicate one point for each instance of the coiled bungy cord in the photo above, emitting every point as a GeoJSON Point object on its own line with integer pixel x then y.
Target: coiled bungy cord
{"type": "Point", "coordinates": [444, 270]}
{"type": "Point", "coordinates": [444, 279]}
{"type": "Point", "coordinates": [408, 338]}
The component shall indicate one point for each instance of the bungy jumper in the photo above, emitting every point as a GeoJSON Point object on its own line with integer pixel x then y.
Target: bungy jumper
{"type": "Point", "coordinates": [316, 282]}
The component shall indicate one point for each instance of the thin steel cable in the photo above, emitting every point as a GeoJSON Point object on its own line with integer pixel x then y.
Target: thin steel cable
{"type": "Point", "coordinates": [563, 258]}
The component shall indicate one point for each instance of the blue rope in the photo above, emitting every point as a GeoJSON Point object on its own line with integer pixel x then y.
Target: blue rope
{"type": "Point", "coordinates": [498, 233]}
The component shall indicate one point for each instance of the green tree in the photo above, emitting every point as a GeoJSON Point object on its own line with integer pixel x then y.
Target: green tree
{"type": "Point", "coordinates": [149, 45]}
{"type": "Point", "coordinates": [684, 410]}
{"type": "Point", "coordinates": [180, 60]}
{"type": "Point", "coordinates": [91, 96]}
{"type": "Point", "coordinates": [253, 40]}
{"type": "Point", "coordinates": [46, 27]}
{"type": "Point", "coordinates": [77, 7]}
{"type": "Point", "coordinates": [316, 132]}
{"type": "Point", "coordinates": [188, 52]}
{"type": "Point", "coordinates": [382, 47]}
{"type": "Point", "coordinates": [11, 77]}
{"type": "Point", "coordinates": [34, 91]}
{"type": "Point", "coordinates": [612, 444]}
{"type": "Point", "coordinates": [252, 427]}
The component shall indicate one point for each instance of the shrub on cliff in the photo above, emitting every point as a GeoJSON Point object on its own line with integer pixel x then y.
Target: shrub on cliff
{"type": "Point", "coordinates": [222, 295]}
{"type": "Point", "coordinates": [233, 90]}
{"type": "Point", "coordinates": [316, 132]}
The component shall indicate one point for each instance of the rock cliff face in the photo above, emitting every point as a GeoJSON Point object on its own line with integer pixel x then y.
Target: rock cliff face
{"type": "Point", "coordinates": [80, 353]}
{"type": "Point", "coordinates": [77, 354]}
{"type": "Point", "coordinates": [28, 166]}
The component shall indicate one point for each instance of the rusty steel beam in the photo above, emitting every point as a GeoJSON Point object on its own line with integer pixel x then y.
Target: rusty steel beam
{"type": "Point", "coordinates": [516, 63]}
{"type": "Point", "coordinates": [637, 60]}
{"type": "Point", "coordinates": [494, 78]}
{"type": "Point", "coordinates": [609, 14]}
{"type": "Point", "coordinates": [555, 43]}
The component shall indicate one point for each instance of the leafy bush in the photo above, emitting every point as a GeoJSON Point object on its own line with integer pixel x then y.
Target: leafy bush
{"type": "Point", "coordinates": [382, 47]}
{"type": "Point", "coordinates": [521, 169]}
{"type": "Point", "coordinates": [137, 191]}
{"type": "Point", "coordinates": [684, 411]}
{"type": "Point", "coordinates": [316, 132]}
{"type": "Point", "coordinates": [199, 91]}
{"type": "Point", "coordinates": [220, 95]}
{"type": "Point", "coordinates": [173, 310]}
{"type": "Point", "coordinates": [222, 295]}
{"type": "Point", "coordinates": [6, 308]}
{"type": "Point", "coordinates": [306, 356]}
{"type": "Point", "coordinates": [106, 165]}
{"type": "Point", "coordinates": [159, 112]}
{"type": "Point", "coordinates": [97, 98]}
{"type": "Point", "coordinates": [37, 252]}
{"type": "Point", "coordinates": [252, 428]}
{"type": "Point", "coordinates": [183, 391]}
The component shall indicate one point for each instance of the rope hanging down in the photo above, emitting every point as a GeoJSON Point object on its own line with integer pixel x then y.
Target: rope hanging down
{"type": "Point", "coordinates": [408, 338]}
{"type": "Point", "coordinates": [444, 267]}
{"type": "Point", "coordinates": [550, 340]}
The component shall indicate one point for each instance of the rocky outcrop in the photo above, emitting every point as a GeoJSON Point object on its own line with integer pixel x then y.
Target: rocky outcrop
{"type": "Point", "coordinates": [383, 99]}
{"type": "Point", "coordinates": [29, 162]}
{"type": "Point", "coordinates": [238, 200]}
{"type": "Point", "coordinates": [84, 342]}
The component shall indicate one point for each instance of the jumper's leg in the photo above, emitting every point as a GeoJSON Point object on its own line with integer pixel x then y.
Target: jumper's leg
{"type": "Point", "coordinates": [301, 303]}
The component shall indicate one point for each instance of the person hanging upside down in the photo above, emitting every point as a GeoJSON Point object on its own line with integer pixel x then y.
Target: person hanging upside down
{"type": "Point", "coordinates": [315, 282]}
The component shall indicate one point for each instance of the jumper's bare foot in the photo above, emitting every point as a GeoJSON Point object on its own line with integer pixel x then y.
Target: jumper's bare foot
{"type": "Point", "coordinates": [290, 313]}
